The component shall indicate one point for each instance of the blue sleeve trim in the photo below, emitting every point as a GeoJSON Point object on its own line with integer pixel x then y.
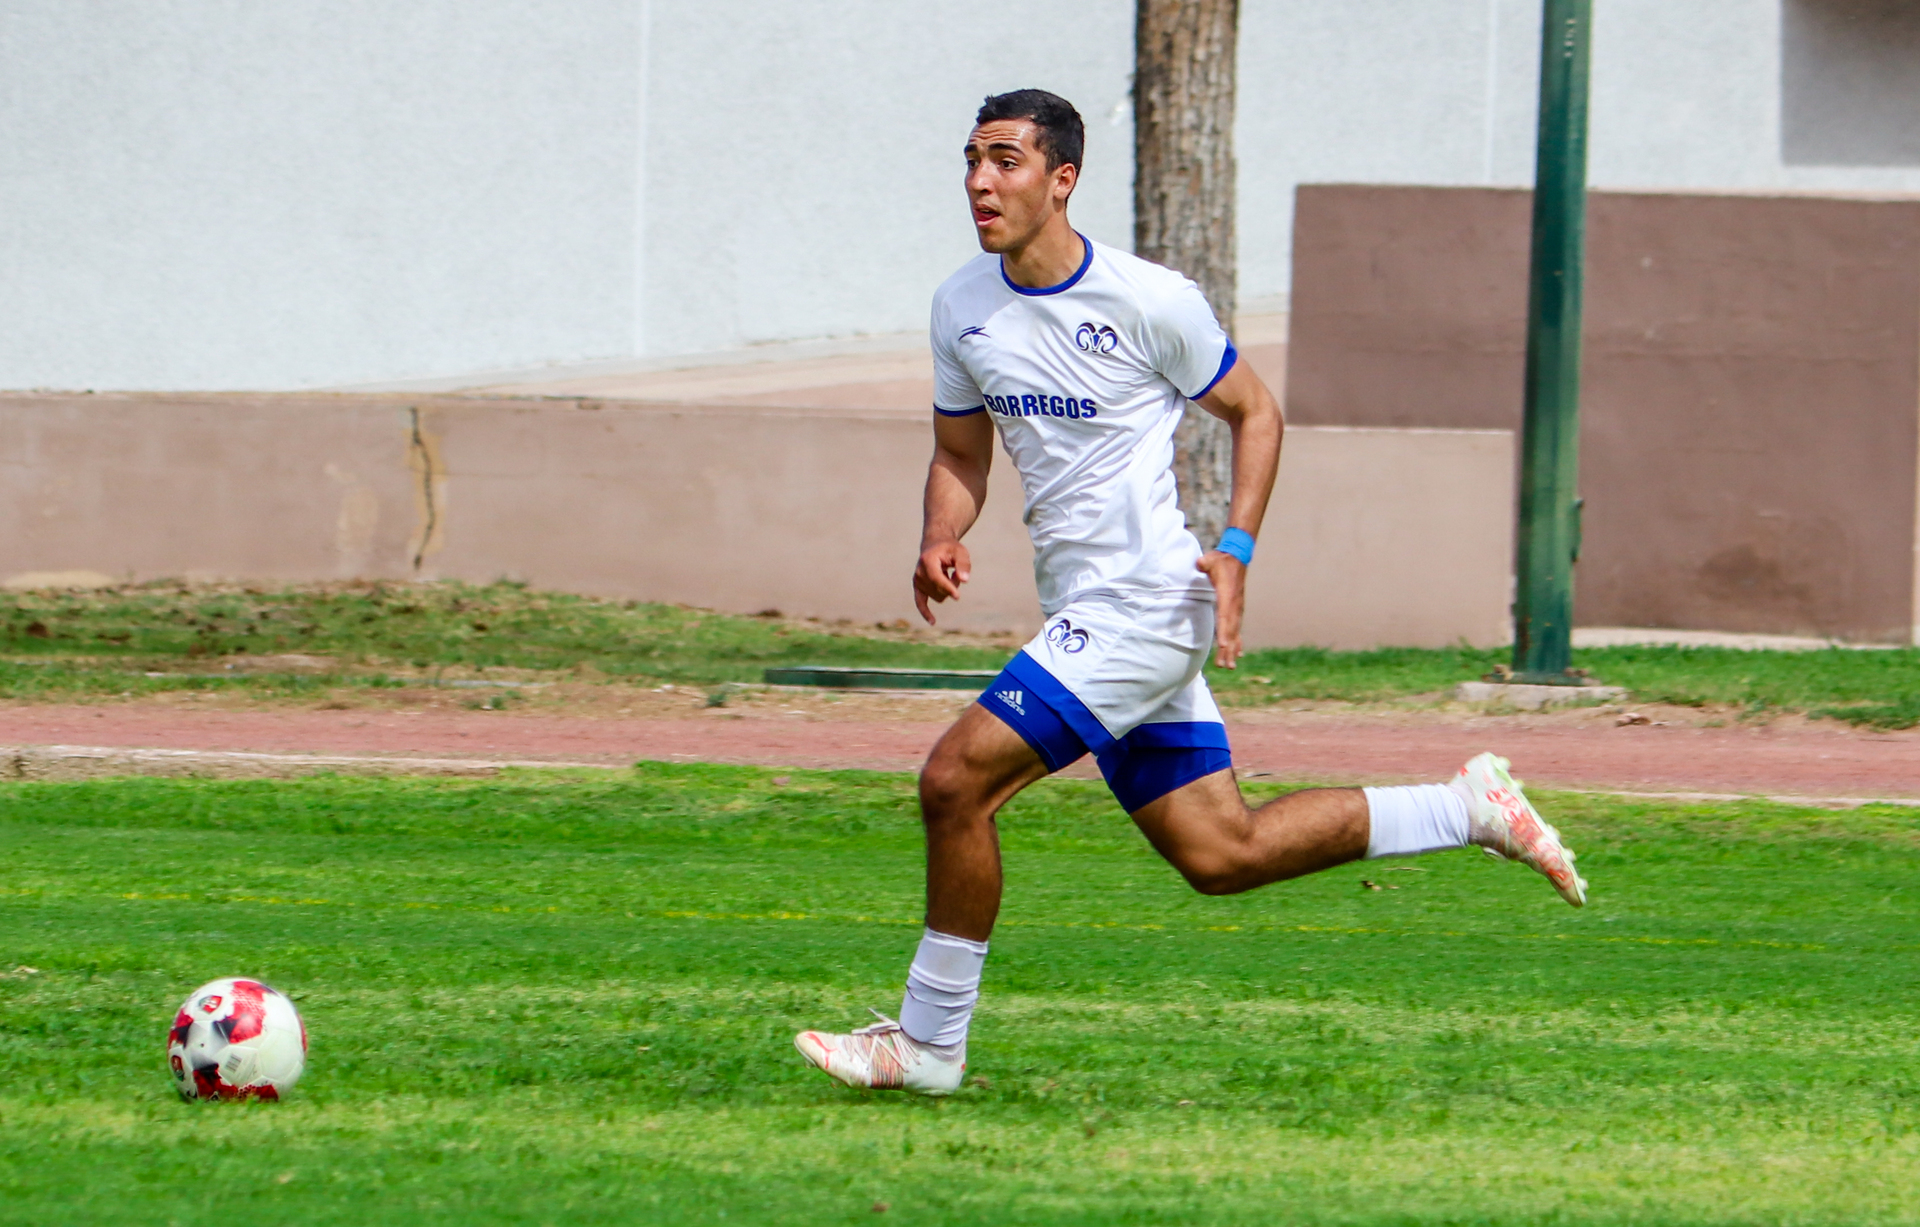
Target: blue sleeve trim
{"type": "Point", "coordinates": [1086, 262]}
{"type": "Point", "coordinates": [1226, 364]}
{"type": "Point", "coordinates": [1034, 676]}
{"type": "Point", "coordinates": [959, 413]}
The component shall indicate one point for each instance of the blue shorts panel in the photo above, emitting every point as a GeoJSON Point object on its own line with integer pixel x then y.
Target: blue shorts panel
{"type": "Point", "coordinates": [1179, 735]}
{"type": "Point", "coordinates": [1141, 775]}
{"type": "Point", "coordinates": [1032, 676]}
{"type": "Point", "coordinates": [1017, 702]}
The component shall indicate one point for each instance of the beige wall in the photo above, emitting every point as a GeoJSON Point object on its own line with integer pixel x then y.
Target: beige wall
{"type": "Point", "coordinates": [1750, 407]}
{"type": "Point", "coordinates": [1375, 537]}
{"type": "Point", "coordinates": [1387, 537]}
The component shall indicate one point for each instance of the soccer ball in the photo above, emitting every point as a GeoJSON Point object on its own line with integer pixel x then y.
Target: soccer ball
{"type": "Point", "coordinates": [236, 1039]}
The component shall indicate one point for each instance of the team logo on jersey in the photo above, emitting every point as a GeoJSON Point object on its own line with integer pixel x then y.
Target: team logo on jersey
{"type": "Point", "coordinates": [1067, 637]}
{"type": "Point", "coordinates": [1096, 338]}
{"type": "Point", "coordinates": [972, 332]}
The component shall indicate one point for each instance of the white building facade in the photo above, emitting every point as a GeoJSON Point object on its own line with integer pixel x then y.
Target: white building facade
{"type": "Point", "coordinates": [216, 194]}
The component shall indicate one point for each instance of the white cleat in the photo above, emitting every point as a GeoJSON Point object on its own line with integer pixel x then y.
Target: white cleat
{"type": "Point", "coordinates": [884, 1057]}
{"type": "Point", "coordinates": [1505, 823]}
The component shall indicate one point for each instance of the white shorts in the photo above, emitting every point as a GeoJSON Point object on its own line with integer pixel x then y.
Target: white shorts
{"type": "Point", "coordinates": [1120, 677]}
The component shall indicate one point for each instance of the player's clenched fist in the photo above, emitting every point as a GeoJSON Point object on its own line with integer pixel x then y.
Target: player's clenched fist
{"type": "Point", "coordinates": [944, 566]}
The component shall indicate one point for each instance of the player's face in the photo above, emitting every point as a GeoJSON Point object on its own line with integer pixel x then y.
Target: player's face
{"type": "Point", "coordinates": [1012, 192]}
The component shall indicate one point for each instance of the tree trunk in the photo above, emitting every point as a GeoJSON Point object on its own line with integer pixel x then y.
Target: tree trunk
{"type": "Point", "coordinates": [1183, 202]}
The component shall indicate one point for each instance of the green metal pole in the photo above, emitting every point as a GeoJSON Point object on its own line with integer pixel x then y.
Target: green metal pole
{"type": "Point", "coordinates": [1549, 529]}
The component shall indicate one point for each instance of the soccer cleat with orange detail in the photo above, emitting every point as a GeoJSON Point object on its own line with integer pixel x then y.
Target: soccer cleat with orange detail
{"type": "Point", "coordinates": [884, 1057]}
{"type": "Point", "coordinates": [1504, 822]}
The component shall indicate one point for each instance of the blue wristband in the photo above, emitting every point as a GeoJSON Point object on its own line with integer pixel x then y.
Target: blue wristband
{"type": "Point", "coordinates": [1239, 543]}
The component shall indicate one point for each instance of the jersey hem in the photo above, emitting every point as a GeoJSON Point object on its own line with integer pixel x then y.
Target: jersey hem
{"type": "Point", "coordinates": [959, 413]}
{"type": "Point", "coordinates": [1202, 591]}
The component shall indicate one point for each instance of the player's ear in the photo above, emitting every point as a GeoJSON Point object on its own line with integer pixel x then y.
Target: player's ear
{"type": "Point", "coordinates": [1064, 180]}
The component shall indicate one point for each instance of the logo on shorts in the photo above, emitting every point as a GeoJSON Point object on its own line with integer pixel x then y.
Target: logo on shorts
{"type": "Point", "coordinates": [1096, 338]}
{"type": "Point", "coordinates": [1067, 637]}
{"type": "Point", "coordinates": [1012, 698]}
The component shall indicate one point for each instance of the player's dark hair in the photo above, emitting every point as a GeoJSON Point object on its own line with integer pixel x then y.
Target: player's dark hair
{"type": "Point", "coordinates": [1060, 133]}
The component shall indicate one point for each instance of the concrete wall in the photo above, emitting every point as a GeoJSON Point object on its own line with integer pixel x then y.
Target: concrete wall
{"type": "Point", "coordinates": [1386, 537]}
{"type": "Point", "coordinates": [223, 194]}
{"type": "Point", "coordinates": [802, 171]}
{"type": "Point", "coordinates": [212, 194]}
{"type": "Point", "coordinates": [1850, 83]}
{"type": "Point", "coordinates": [1375, 537]}
{"type": "Point", "coordinates": [1750, 416]}
{"type": "Point", "coordinates": [1687, 94]}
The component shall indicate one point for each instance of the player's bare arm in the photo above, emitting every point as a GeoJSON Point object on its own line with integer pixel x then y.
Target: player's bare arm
{"type": "Point", "coordinates": [1242, 400]}
{"type": "Point", "coordinates": [956, 491]}
{"type": "Point", "coordinates": [1019, 206]}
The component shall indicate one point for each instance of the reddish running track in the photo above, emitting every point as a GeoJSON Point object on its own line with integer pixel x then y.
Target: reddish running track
{"type": "Point", "coordinates": [1796, 758]}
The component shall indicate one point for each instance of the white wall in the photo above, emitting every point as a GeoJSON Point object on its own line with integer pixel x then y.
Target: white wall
{"type": "Point", "coordinates": [217, 194]}
{"type": "Point", "coordinates": [1390, 91]}
{"type": "Point", "coordinates": [803, 156]}
{"type": "Point", "coordinates": [228, 194]}
{"type": "Point", "coordinates": [1850, 82]}
{"type": "Point", "coordinates": [1686, 94]}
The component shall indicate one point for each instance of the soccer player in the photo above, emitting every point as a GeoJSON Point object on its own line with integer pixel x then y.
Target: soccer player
{"type": "Point", "coordinates": [1083, 358]}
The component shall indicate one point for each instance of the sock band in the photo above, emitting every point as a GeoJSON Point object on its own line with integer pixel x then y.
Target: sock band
{"type": "Point", "coordinates": [942, 986]}
{"type": "Point", "coordinates": [1414, 819]}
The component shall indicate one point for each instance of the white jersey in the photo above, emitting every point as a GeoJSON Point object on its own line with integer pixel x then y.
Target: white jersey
{"type": "Point", "coordinates": [1086, 381]}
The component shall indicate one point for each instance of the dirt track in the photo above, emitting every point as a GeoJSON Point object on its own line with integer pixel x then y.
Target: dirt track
{"type": "Point", "coordinates": [1574, 749]}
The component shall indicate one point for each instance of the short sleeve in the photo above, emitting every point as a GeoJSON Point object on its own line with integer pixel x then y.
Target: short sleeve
{"type": "Point", "coordinates": [954, 392]}
{"type": "Point", "coordinates": [1185, 343]}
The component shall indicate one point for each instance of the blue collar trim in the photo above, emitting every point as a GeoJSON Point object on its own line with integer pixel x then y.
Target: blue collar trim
{"type": "Point", "coordinates": [1085, 264]}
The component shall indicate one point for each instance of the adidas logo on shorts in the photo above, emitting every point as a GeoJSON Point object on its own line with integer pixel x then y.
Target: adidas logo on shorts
{"type": "Point", "coordinates": [1012, 698]}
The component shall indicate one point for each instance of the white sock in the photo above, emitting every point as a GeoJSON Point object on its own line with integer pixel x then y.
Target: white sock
{"type": "Point", "coordinates": [942, 986]}
{"type": "Point", "coordinates": [1417, 818]}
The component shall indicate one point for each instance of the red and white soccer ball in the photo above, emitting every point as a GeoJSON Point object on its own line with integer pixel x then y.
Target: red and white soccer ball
{"type": "Point", "coordinates": [236, 1039]}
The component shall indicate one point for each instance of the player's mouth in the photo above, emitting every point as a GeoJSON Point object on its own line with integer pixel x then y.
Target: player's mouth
{"type": "Point", "coordinates": [984, 217]}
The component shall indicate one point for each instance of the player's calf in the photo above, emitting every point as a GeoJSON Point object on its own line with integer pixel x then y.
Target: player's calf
{"type": "Point", "coordinates": [1207, 833]}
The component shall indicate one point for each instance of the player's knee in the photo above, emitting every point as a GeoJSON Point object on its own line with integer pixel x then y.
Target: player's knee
{"type": "Point", "coordinates": [1211, 878]}
{"type": "Point", "coordinates": [1212, 870]}
{"type": "Point", "coordinates": [946, 788]}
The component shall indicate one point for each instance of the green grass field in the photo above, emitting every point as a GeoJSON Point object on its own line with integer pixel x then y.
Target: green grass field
{"type": "Point", "coordinates": [151, 638]}
{"type": "Point", "coordinates": [569, 1000]}
{"type": "Point", "coordinates": [61, 644]}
